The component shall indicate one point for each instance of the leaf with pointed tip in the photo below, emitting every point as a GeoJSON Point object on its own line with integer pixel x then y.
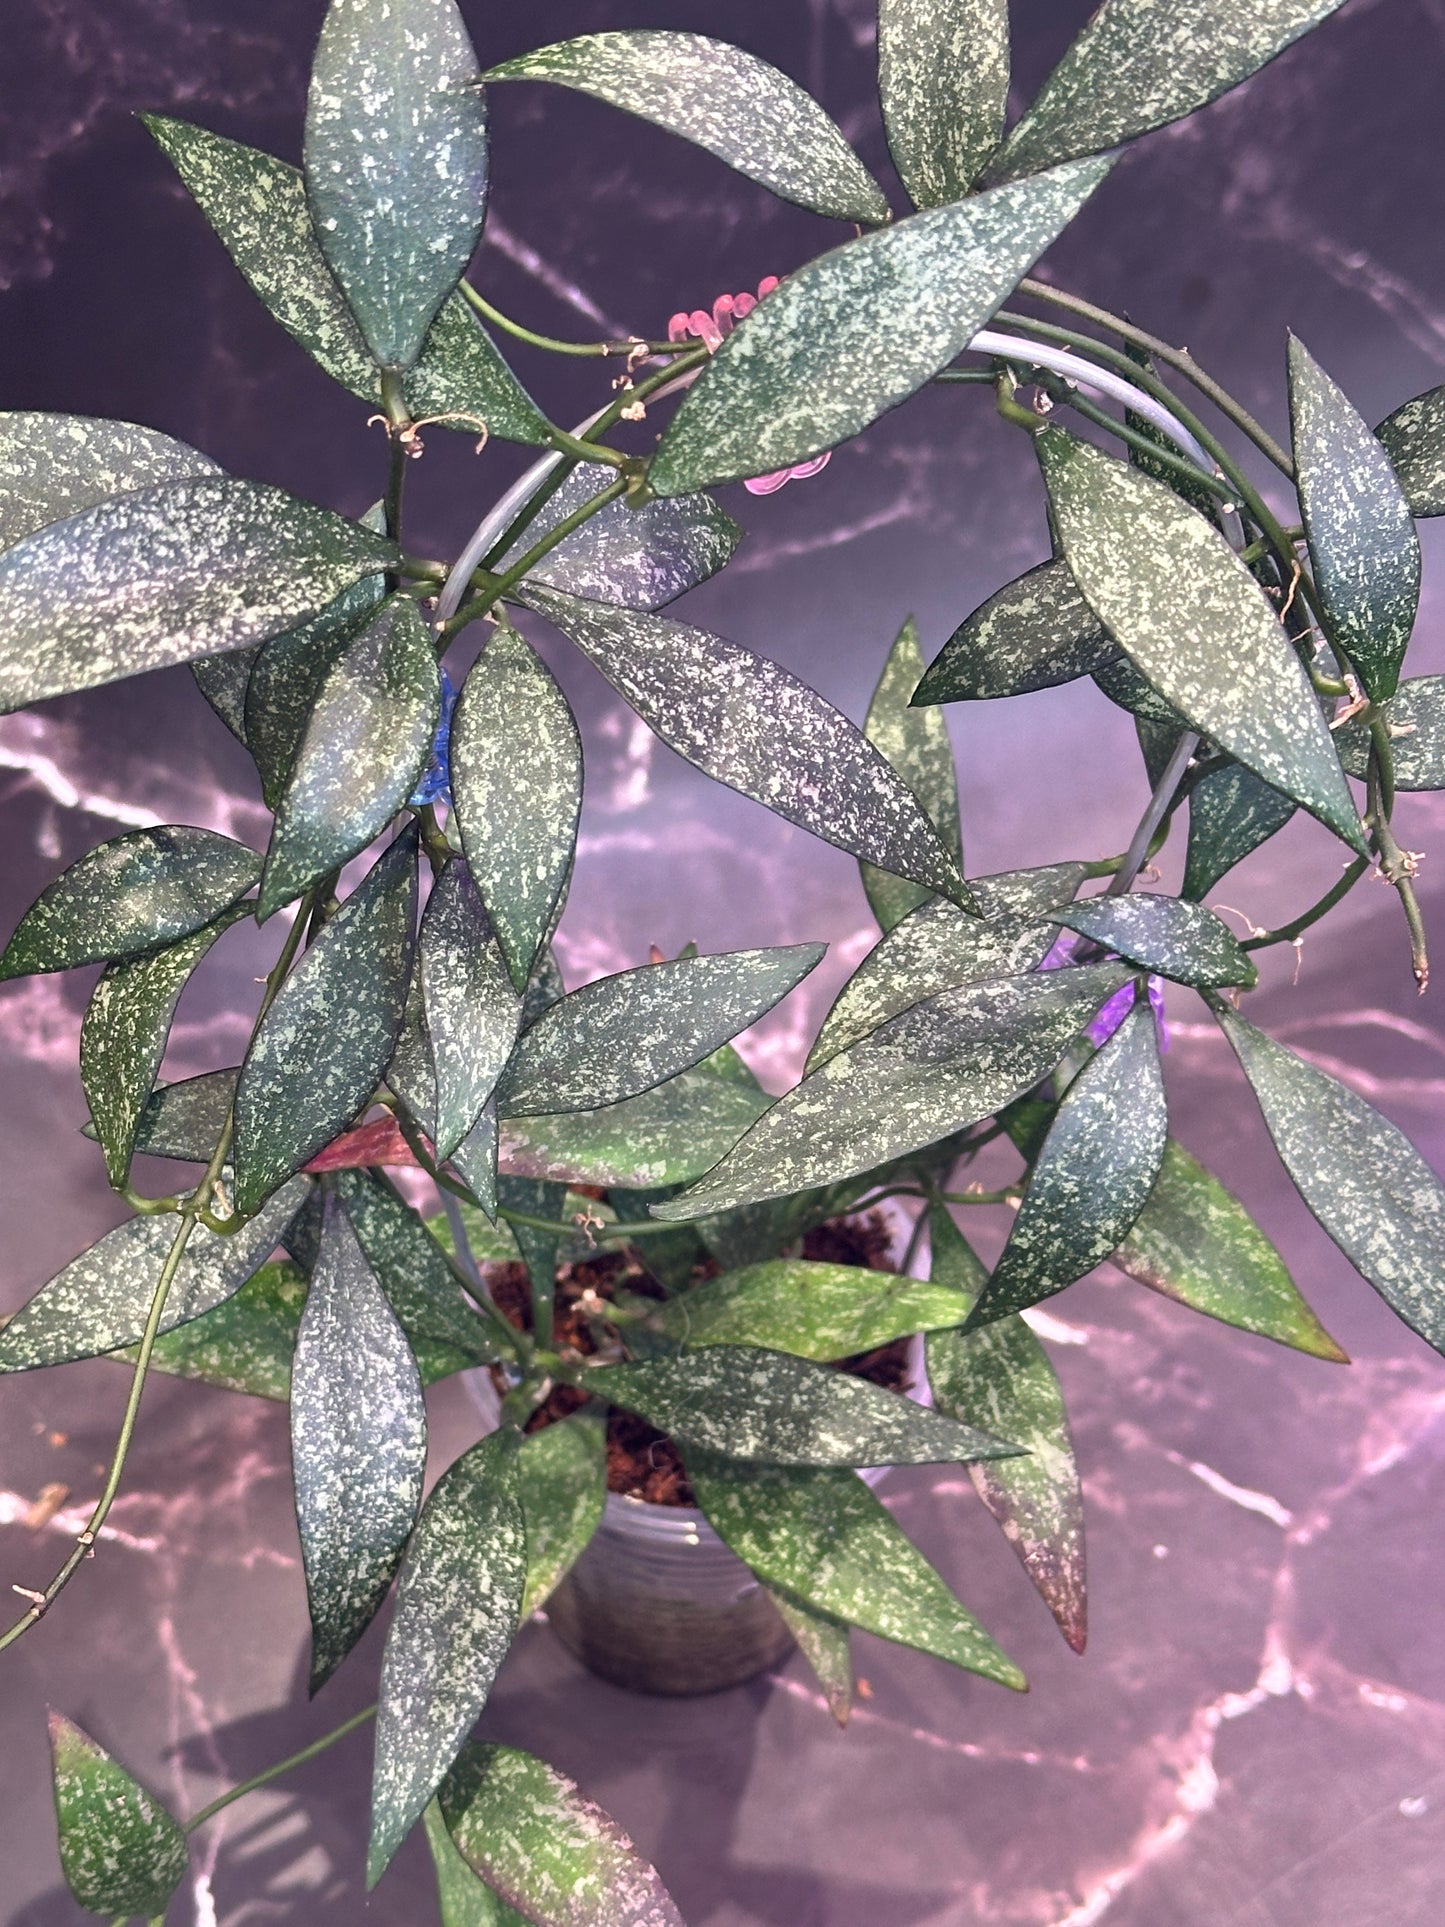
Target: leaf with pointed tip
{"type": "Point", "coordinates": [727, 101]}
{"type": "Point", "coordinates": [365, 744]}
{"type": "Point", "coordinates": [542, 1251]}
{"type": "Point", "coordinates": [517, 781]}
{"type": "Point", "coordinates": [1034, 633]}
{"type": "Point", "coordinates": [471, 1009]}
{"type": "Point", "coordinates": [257, 205]}
{"type": "Point", "coordinates": [286, 676]}
{"type": "Point", "coordinates": [223, 680]}
{"type": "Point", "coordinates": [526, 1830]}
{"type": "Point", "coordinates": [161, 575]}
{"type": "Point", "coordinates": [938, 947]}
{"type": "Point", "coordinates": [1360, 1176]}
{"type": "Point", "coordinates": [562, 1484]}
{"type": "Point", "coordinates": [466, 1901]}
{"type": "Point", "coordinates": [412, 1269]}
{"type": "Point", "coordinates": [456, 1613]}
{"type": "Point", "coordinates": [944, 1063]}
{"type": "Point", "coordinates": [668, 1135]}
{"type": "Point", "coordinates": [1179, 940]}
{"type": "Point", "coordinates": [1362, 538]}
{"type": "Point", "coordinates": [808, 1309]}
{"type": "Point", "coordinates": [475, 1158]}
{"type": "Point", "coordinates": [822, 1535]}
{"type": "Point", "coordinates": [1195, 622]}
{"type": "Point", "coordinates": [746, 722]}
{"type": "Point", "coordinates": [943, 77]}
{"type": "Point", "coordinates": [135, 894]}
{"type": "Point", "coordinates": [917, 746]}
{"type": "Point", "coordinates": [1231, 812]}
{"type": "Point", "coordinates": [1415, 718]}
{"type": "Point", "coordinates": [621, 1035]}
{"type": "Point", "coordinates": [53, 466]}
{"type": "Point", "coordinates": [124, 1033]}
{"type": "Point", "coordinates": [121, 1851]}
{"type": "Point", "coordinates": [358, 1444]}
{"type": "Point", "coordinates": [1414, 439]}
{"type": "Point", "coordinates": [1158, 722]}
{"type": "Point", "coordinates": [325, 1043]}
{"type": "Point", "coordinates": [1194, 1242]}
{"type": "Point", "coordinates": [183, 1120]}
{"type": "Point", "coordinates": [1001, 1378]}
{"type": "Point", "coordinates": [1139, 64]}
{"type": "Point", "coordinates": [102, 1299]}
{"type": "Point", "coordinates": [823, 1641]}
{"type": "Point", "coordinates": [766, 1406]}
{"type": "Point", "coordinates": [859, 330]}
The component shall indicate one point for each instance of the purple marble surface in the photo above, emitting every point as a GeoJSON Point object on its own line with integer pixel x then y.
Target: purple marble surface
{"type": "Point", "coordinates": [1256, 1736]}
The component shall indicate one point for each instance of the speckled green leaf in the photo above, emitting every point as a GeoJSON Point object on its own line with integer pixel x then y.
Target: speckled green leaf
{"type": "Point", "coordinates": [533, 1837]}
{"type": "Point", "coordinates": [1231, 812]}
{"type": "Point", "coordinates": [728, 101]}
{"type": "Point", "coordinates": [778, 1410]}
{"type": "Point", "coordinates": [102, 1298]}
{"type": "Point", "coordinates": [1415, 718]}
{"type": "Point", "coordinates": [358, 1444]}
{"type": "Point", "coordinates": [161, 575]}
{"type": "Point", "coordinates": [1195, 622]}
{"type": "Point", "coordinates": [135, 894]}
{"type": "Point", "coordinates": [824, 1643]}
{"type": "Point", "coordinates": [623, 1034]}
{"type": "Point", "coordinates": [944, 1063]}
{"type": "Point", "coordinates": [456, 1612]}
{"type": "Point", "coordinates": [1001, 1378]}
{"type": "Point", "coordinates": [939, 947]}
{"type": "Point", "coordinates": [121, 1851]}
{"type": "Point", "coordinates": [289, 670]}
{"type": "Point", "coordinates": [1362, 539]}
{"type": "Point", "coordinates": [475, 1158]}
{"type": "Point", "coordinates": [124, 1033]}
{"type": "Point", "coordinates": [1175, 939]}
{"type": "Point", "coordinates": [517, 781]}
{"type": "Point", "coordinates": [1414, 439]}
{"type": "Point", "coordinates": [822, 1535]}
{"type": "Point", "coordinates": [1033, 633]}
{"type": "Point", "coordinates": [52, 466]}
{"type": "Point", "coordinates": [917, 746]}
{"type": "Point", "coordinates": [1360, 1176]}
{"type": "Point", "coordinates": [1092, 1175]}
{"type": "Point", "coordinates": [257, 205]}
{"type": "Point", "coordinates": [943, 78]}
{"type": "Point", "coordinates": [746, 722]}
{"type": "Point", "coordinates": [465, 1900]}
{"type": "Point", "coordinates": [327, 1039]}
{"type": "Point", "coordinates": [668, 1135]}
{"type": "Point", "coordinates": [472, 1010]}
{"type": "Point", "coordinates": [859, 330]}
{"type": "Point", "coordinates": [223, 680]}
{"type": "Point", "coordinates": [183, 1120]}
{"type": "Point", "coordinates": [1158, 721]}
{"type": "Point", "coordinates": [1197, 1244]}
{"type": "Point", "coordinates": [807, 1308]}
{"type": "Point", "coordinates": [365, 745]}
{"type": "Point", "coordinates": [396, 163]}
{"type": "Point", "coordinates": [562, 1484]}
{"type": "Point", "coordinates": [1139, 64]}
{"type": "Point", "coordinates": [541, 1251]}
{"type": "Point", "coordinates": [420, 1285]}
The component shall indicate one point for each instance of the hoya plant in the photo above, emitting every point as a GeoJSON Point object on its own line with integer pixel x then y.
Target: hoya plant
{"type": "Point", "coordinates": [423, 1111]}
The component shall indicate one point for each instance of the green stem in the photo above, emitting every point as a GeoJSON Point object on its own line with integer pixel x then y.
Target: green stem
{"type": "Point", "coordinates": [1060, 392]}
{"type": "Point", "coordinates": [1287, 932]}
{"type": "Point", "coordinates": [1396, 865]}
{"type": "Point", "coordinates": [393, 402]}
{"type": "Point", "coordinates": [558, 347]}
{"type": "Point", "coordinates": [574, 445]}
{"type": "Point", "coordinates": [1010, 1194]}
{"type": "Point", "coordinates": [282, 1766]}
{"type": "Point", "coordinates": [500, 585]}
{"type": "Point", "coordinates": [612, 1232]}
{"type": "Point", "coordinates": [530, 510]}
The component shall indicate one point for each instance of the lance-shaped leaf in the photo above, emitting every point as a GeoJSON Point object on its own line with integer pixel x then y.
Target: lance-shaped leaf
{"type": "Point", "coordinates": [943, 76]}
{"type": "Point", "coordinates": [1158, 721]}
{"type": "Point", "coordinates": [746, 722]}
{"type": "Point", "coordinates": [728, 101]}
{"type": "Point", "coordinates": [121, 1851]}
{"type": "Point", "coordinates": [942, 1064]}
{"type": "Point", "coordinates": [1362, 538]}
{"type": "Point", "coordinates": [53, 466]}
{"type": "Point", "coordinates": [325, 1043]}
{"type": "Point", "coordinates": [808, 1308]}
{"type": "Point", "coordinates": [1195, 1242]}
{"type": "Point", "coordinates": [456, 1613]}
{"type": "Point", "coordinates": [183, 1120]}
{"type": "Point", "coordinates": [1139, 64]}
{"type": "Point", "coordinates": [824, 1643]}
{"type": "Point", "coordinates": [857, 331]}
{"type": "Point", "coordinates": [1195, 622]}
{"type": "Point", "coordinates": [562, 1484]}
{"type": "Point", "coordinates": [161, 575]}
{"type": "Point", "coordinates": [135, 894]}
{"type": "Point", "coordinates": [396, 163]}
{"type": "Point", "coordinates": [1415, 718]}
{"type": "Point", "coordinates": [917, 746]}
{"type": "Point", "coordinates": [420, 1286]}
{"type": "Point", "coordinates": [517, 782]}
{"type": "Point", "coordinates": [824, 1536]}
{"type": "Point", "coordinates": [938, 947]}
{"type": "Point", "coordinates": [1414, 439]}
{"type": "Point", "coordinates": [466, 1901]}
{"type": "Point", "coordinates": [471, 1008]}
{"type": "Point", "coordinates": [1183, 941]}
{"type": "Point", "coordinates": [1092, 1175]}
{"type": "Point", "coordinates": [1231, 812]}
{"type": "Point", "coordinates": [223, 680]}
{"type": "Point", "coordinates": [288, 672]}
{"type": "Point", "coordinates": [762, 1405]}
{"type": "Point", "coordinates": [358, 1444]}
{"type": "Point", "coordinates": [257, 205]}
{"type": "Point", "coordinates": [1001, 1378]}
{"type": "Point", "coordinates": [668, 1135]}
{"type": "Point", "coordinates": [475, 1159]}
{"type": "Point", "coordinates": [620, 1035]}
{"type": "Point", "coordinates": [1033, 633]}
{"type": "Point", "coordinates": [546, 1849]}
{"type": "Point", "coordinates": [1360, 1176]}
{"type": "Point", "coordinates": [366, 742]}
{"type": "Point", "coordinates": [102, 1299]}
{"type": "Point", "coordinates": [124, 1033]}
